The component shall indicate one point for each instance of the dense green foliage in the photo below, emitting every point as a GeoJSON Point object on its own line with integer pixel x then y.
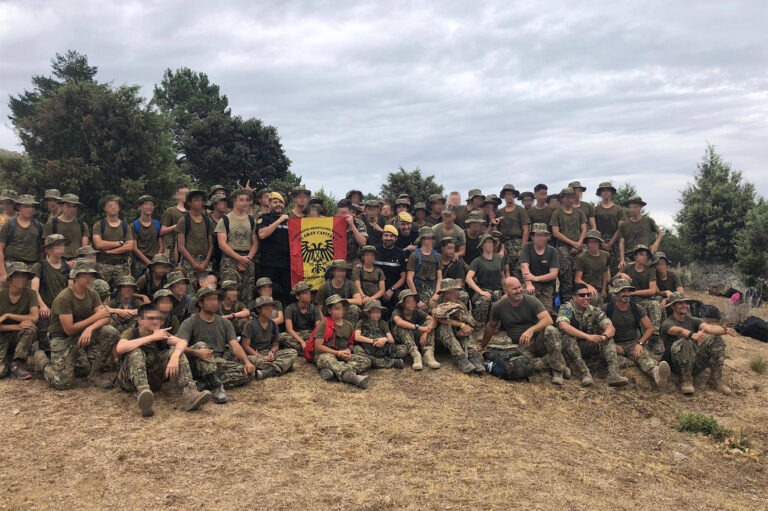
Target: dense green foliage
{"type": "Point", "coordinates": [412, 183]}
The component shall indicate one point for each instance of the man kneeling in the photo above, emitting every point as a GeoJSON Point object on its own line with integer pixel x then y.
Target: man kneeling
{"type": "Point", "coordinates": [148, 355]}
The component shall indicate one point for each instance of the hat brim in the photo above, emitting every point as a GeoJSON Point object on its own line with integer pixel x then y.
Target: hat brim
{"type": "Point", "coordinates": [272, 302]}
{"type": "Point", "coordinates": [600, 190]}
{"type": "Point", "coordinates": [639, 203]}
{"type": "Point", "coordinates": [470, 199]}
{"type": "Point", "coordinates": [183, 279]}
{"type": "Point", "coordinates": [66, 242]}
{"type": "Point", "coordinates": [76, 203]}
{"type": "Point", "coordinates": [685, 300]}
{"type": "Point", "coordinates": [452, 288]}
{"type": "Point", "coordinates": [26, 203]}
{"type": "Point", "coordinates": [615, 290]}
{"type": "Point", "coordinates": [592, 238]}
{"type": "Point", "coordinates": [26, 273]}
{"type": "Point", "coordinates": [160, 262]}
{"type": "Point", "coordinates": [505, 190]}
{"type": "Point", "coordinates": [82, 272]}
{"type": "Point", "coordinates": [216, 292]}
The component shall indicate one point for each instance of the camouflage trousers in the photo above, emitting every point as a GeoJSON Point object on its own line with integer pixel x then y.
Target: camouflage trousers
{"type": "Point", "coordinates": [357, 364]}
{"type": "Point", "coordinates": [192, 274]}
{"type": "Point", "coordinates": [512, 248]}
{"type": "Point", "coordinates": [381, 358]}
{"type": "Point", "coordinates": [481, 307]}
{"type": "Point", "coordinates": [613, 262]}
{"type": "Point", "coordinates": [653, 308]}
{"type": "Point", "coordinates": [410, 338]}
{"type": "Point", "coordinates": [112, 272]}
{"type": "Point", "coordinates": [565, 275]}
{"type": "Point", "coordinates": [42, 334]}
{"type": "Point", "coordinates": [120, 324]}
{"type": "Point", "coordinates": [230, 372]}
{"type": "Point", "coordinates": [690, 356]}
{"type": "Point", "coordinates": [352, 314]}
{"type": "Point", "coordinates": [457, 346]}
{"type": "Point", "coordinates": [286, 340]}
{"type": "Point", "coordinates": [425, 289]}
{"type": "Point", "coordinates": [137, 267]}
{"type": "Point", "coordinates": [282, 363]}
{"type": "Point", "coordinates": [145, 369]}
{"type": "Point", "coordinates": [546, 344]}
{"type": "Point", "coordinates": [69, 360]}
{"type": "Point", "coordinates": [644, 361]}
{"type": "Point", "coordinates": [545, 292]}
{"type": "Point", "coordinates": [605, 350]}
{"type": "Point", "coordinates": [245, 279]}
{"type": "Point", "coordinates": [238, 324]}
{"type": "Point", "coordinates": [16, 345]}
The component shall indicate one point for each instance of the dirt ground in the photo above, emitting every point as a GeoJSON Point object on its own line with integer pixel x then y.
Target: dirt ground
{"type": "Point", "coordinates": [427, 440]}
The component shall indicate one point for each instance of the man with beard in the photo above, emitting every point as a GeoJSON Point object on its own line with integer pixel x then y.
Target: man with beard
{"type": "Point", "coordinates": [272, 229]}
{"type": "Point", "coordinates": [406, 239]}
{"type": "Point", "coordinates": [391, 260]}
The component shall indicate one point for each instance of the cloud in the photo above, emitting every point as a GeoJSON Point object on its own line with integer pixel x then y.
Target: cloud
{"type": "Point", "coordinates": [478, 94]}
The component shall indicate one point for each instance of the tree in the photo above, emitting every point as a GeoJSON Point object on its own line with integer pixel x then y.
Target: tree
{"type": "Point", "coordinates": [329, 201]}
{"type": "Point", "coordinates": [714, 208]}
{"type": "Point", "coordinates": [750, 242]}
{"type": "Point", "coordinates": [412, 183]}
{"type": "Point", "coordinates": [622, 195]}
{"type": "Point", "coordinates": [91, 138]}
{"type": "Point", "coordinates": [674, 248]}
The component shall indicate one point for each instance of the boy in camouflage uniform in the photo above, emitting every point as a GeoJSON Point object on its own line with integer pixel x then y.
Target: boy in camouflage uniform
{"type": "Point", "coordinates": [333, 356]}
{"type": "Point", "coordinates": [694, 346]}
{"type": "Point", "coordinates": [540, 267]}
{"type": "Point", "coordinates": [569, 226]}
{"type": "Point", "coordinates": [424, 271]}
{"type": "Point", "coordinates": [585, 332]}
{"type": "Point", "coordinates": [233, 309]}
{"type": "Point", "coordinates": [337, 282]}
{"type": "Point", "coordinates": [194, 238]}
{"type": "Point", "coordinates": [414, 328]}
{"type": "Point", "coordinates": [484, 278]}
{"type": "Point", "coordinates": [608, 219]}
{"type": "Point", "coordinates": [148, 355]}
{"type": "Point", "coordinates": [238, 242]}
{"type": "Point", "coordinates": [21, 236]}
{"type": "Point", "coordinates": [114, 240]}
{"type": "Point", "coordinates": [455, 328]}
{"type": "Point", "coordinates": [124, 305]}
{"type": "Point", "coordinates": [19, 311]}
{"type": "Point", "coordinates": [301, 317]}
{"type": "Point", "coordinates": [374, 340]}
{"type": "Point", "coordinates": [261, 344]}
{"type": "Point", "coordinates": [514, 225]}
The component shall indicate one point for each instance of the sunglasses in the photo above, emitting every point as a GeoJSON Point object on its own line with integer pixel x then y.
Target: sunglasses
{"type": "Point", "coordinates": [583, 295]}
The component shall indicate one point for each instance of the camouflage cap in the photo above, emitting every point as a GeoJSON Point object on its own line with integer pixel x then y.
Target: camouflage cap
{"type": "Point", "coordinates": [658, 256]}
{"type": "Point", "coordinates": [300, 287]}
{"type": "Point", "coordinates": [109, 198]}
{"type": "Point", "coordinates": [333, 300]}
{"type": "Point", "coordinates": [26, 200]}
{"type": "Point", "coordinates": [160, 259]}
{"type": "Point", "coordinates": [640, 247]}
{"type": "Point", "coordinates": [56, 239]}
{"type": "Point", "coordinates": [174, 278]}
{"type": "Point", "coordinates": [86, 250]}
{"type": "Point", "coordinates": [81, 267]}
{"type": "Point", "coordinates": [402, 295]}
{"type": "Point", "coordinates": [314, 199]}
{"type": "Point", "coordinates": [509, 188]}
{"type": "Point", "coordinates": [526, 195]}
{"type": "Point", "coordinates": [447, 239]}
{"type": "Point", "coordinates": [195, 193]}
{"type": "Point", "coordinates": [125, 281]}
{"type": "Point", "coordinates": [71, 198]}
{"type": "Point", "coordinates": [340, 264]}
{"type": "Point", "coordinates": [296, 191]}
{"type": "Point", "coordinates": [263, 191]}
{"type": "Point", "coordinates": [475, 217]}
{"type": "Point", "coordinates": [474, 193]}
{"type": "Point", "coordinates": [217, 197]}
{"type": "Point", "coordinates": [483, 238]}
{"type": "Point", "coordinates": [213, 188]}
{"type": "Point", "coordinates": [52, 194]}
{"type": "Point", "coordinates": [18, 267]}
{"type": "Point", "coordinates": [621, 284]}
{"type": "Point", "coordinates": [405, 196]}
{"type": "Point", "coordinates": [373, 304]}
{"type": "Point", "coordinates": [146, 198]}
{"type": "Point", "coordinates": [594, 234]}
{"type": "Point", "coordinates": [353, 192]}
{"type": "Point", "coordinates": [576, 185]}
{"type": "Point", "coordinates": [206, 291]}
{"type": "Point", "coordinates": [372, 203]}
{"type": "Point", "coordinates": [229, 285]}
{"type": "Point", "coordinates": [261, 301]}
{"type": "Point", "coordinates": [448, 211]}
{"type": "Point", "coordinates": [425, 232]}
{"type": "Point", "coordinates": [567, 191]}
{"type": "Point", "coordinates": [403, 202]}
{"type": "Point", "coordinates": [497, 235]}
{"type": "Point", "coordinates": [8, 195]}
{"type": "Point", "coordinates": [605, 185]}
{"type": "Point", "coordinates": [449, 285]}
{"type": "Point", "coordinates": [420, 206]}
{"type": "Point", "coordinates": [263, 281]}
{"type": "Point", "coordinates": [100, 286]}
{"type": "Point", "coordinates": [676, 297]}
{"type": "Point", "coordinates": [163, 293]}
{"type": "Point", "coordinates": [492, 198]}
{"type": "Point", "coordinates": [635, 199]}
{"type": "Point", "coordinates": [406, 217]}
{"type": "Point", "coordinates": [539, 228]}
{"type": "Point", "coordinates": [435, 197]}
{"type": "Point", "coordinates": [367, 248]}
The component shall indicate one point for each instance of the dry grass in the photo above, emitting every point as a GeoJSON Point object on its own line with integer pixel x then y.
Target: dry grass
{"type": "Point", "coordinates": [428, 440]}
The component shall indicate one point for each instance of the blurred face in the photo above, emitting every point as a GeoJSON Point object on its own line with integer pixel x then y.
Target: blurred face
{"type": "Point", "coordinates": [85, 279]}
{"type": "Point", "coordinates": [374, 314]}
{"type": "Point", "coordinates": [567, 201]}
{"type": "Point", "coordinates": [555, 202]}
{"type": "Point", "coordinates": [339, 274]}
{"type": "Point", "coordinates": [147, 208]}
{"type": "Point", "coordinates": [405, 228]}
{"type": "Point", "coordinates": [210, 281]}
{"type": "Point", "coordinates": [264, 199]}
{"type": "Point", "coordinates": [336, 311]}
{"type": "Point", "coordinates": [449, 250]}
{"type": "Point", "coordinates": [593, 245]}
{"type": "Point", "coordinates": [19, 280]}
{"type": "Point", "coordinates": [371, 211]}
{"type": "Point", "coordinates": [26, 211]}
{"type": "Point", "coordinates": [220, 206]}
{"type": "Point", "coordinates": [195, 203]}
{"type": "Point", "coordinates": [635, 210]}
{"type": "Point", "coordinates": [448, 219]}
{"type": "Point", "coordinates": [369, 257]}
{"type": "Point", "coordinates": [680, 308]}
{"type": "Point", "coordinates": [661, 266]}
{"type": "Point", "coordinates": [508, 197]}
{"type": "Point", "coordinates": [488, 245]}
{"type": "Point", "coordinates": [641, 257]}
{"type": "Point", "coordinates": [451, 296]}
{"type": "Point", "coordinates": [388, 239]}
{"type": "Point", "coordinates": [420, 214]}
{"type": "Point", "coordinates": [181, 194]}
{"type": "Point", "coordinates": [343, 211]}
{"type": "Point", "coordinates": [541, 195]}
{"type": "Point", "coordinates": [476, 228]}
{"type": "Point", "coordinates": [69, 210]}
{"type": "Point", "coordinates": [488, 208]}
{"type": "Point", "coordinates": [57, 250]}
{"type": "Point", "coordinates": [52, 205]}
{"type": "Point", "coordinates": [409, 303]}
{"type": "Point", "coordinates": [455, 198]}
{"type": "Point", "coordinates": [386, 211]}
{"type": "Point", "coordinates": [126, 292]}
{"type": "Point", "coordinates": [301, 200]}
{"type": "Point", "coordinates": [427, 243]}
{"type": "Point", "coordinates": [540, 239]}
{"type": "Point", "coordinates": [477, 202]}
{"type": "Point", "coordinates": [606, 194]}
{"type": "Point", "coordinates": [161, 270]}
{"type": "Point", "coordinates": [265, 290]}
{"type": "Point", "coordinates": [266, 311]}
{"type": "Point", "coordinates": [625, 295]}
{"type": "Point", "coordinates": [151, 320]}
{"type": "Point", "coordinates": [437, 207]}
{"type": "Point", "coordinates": [210, 304]}
{"type": "Point", "coordinates": [8, 207]}
{"type": "Point", "coordinates": [231, 295]}
{"type": "Point", "coordinates": [400, 208]}
{"type": "Point", "coordinates": [304, 297]}
{"type": "Point", "coordinates": [242, 202]}
{"type": "Point", "coordinates": [528, 202]}
{"type": "Point", "coordinates": [164, 305]}
{"type": "Point", "coordinates": [179, 288]}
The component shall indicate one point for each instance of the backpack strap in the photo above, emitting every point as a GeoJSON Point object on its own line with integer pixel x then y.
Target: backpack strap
{"type": "Point", "coordinates": [225, 219]}
{"type": "Point", "coordinates": [208, 227]}
{"type": "Point", "coordinates": [11, 230]}
{"type": "Point", "coordinates": [55, 225]}
{"type": "Point", "coordinates": [136, 226]}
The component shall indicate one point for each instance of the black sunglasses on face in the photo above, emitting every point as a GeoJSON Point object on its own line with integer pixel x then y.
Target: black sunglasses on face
{"type": "Point", "coordinates": [583, 295]}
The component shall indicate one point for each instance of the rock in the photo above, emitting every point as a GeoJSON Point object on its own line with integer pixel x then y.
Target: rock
{"type": "Point", "coordinates": [16, 412]}
{"type": "Point", "coordinates": [679, 456]}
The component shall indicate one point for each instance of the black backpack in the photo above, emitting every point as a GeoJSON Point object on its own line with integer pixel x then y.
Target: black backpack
{"type": "Point", "coordinates": [699, 309]}
{"type": "Point", "coordinates": [225, 219]}
{"type": "Point", "coordinates": [509, 364]}
{"type": "Point", "coordinates": [188, 224]}
{"type": "Point", "coordinates": [123, 224]}
{"type": "Point", "coordinates": [755, 328]}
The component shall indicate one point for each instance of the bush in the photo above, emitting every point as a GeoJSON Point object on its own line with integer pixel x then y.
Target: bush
{"type": "Point", "coordinates": [739, 440]}
{"type": "Point", "coordinates": [705, 424]}
{"type": "Point", "coordinates": [758, 364]}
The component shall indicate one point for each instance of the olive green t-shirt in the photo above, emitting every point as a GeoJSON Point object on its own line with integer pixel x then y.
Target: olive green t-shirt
{"type": "Point", "coordinates": [488, 272]}
{"type": "Point", "coordinates": [642, 232]}
{"type": "Point", "coordinates": [148, 239]}
{"type": "Point", "coordinates": [641, 279]}
{"type": "Point", "coordinates": [113, 234]}
{"type": "Point", "coordinates": [369, 280]}
{"type": "Point", "coordinates": [347, 290]}
{"type": "Point", "coordinates": [540, 216]}
{"type": "Point", "coordinates": [671, 283]}
{"type": "Point", "coordinates": [587, 208]}
{"type": "Point", "coordinates": [236, 307]}
{"type": "Point", "coordinates": [568, 223]}
{"type": "Point", "coordinates": [624, 323]}
{"type": "Point", "coordinates": [70, 230]}
{"type": "Point", "coordinates": [430, 263]}
{"type": "Point", "coordinates": [26, 301]}
{"type": "Point", "coordinates": [339, 341]}
{"type": "Point", "coordinates": [302, 320]}
{"type": "Point", "coordinates": [457, 233]}
{"type": "Point", "coordinates": [52, 281]}
{"type": "Point", "coordinates": [240, 231]}
{"type": "Point", "coordinates": [372, 330]}
{"type": "Point", "coordinates": [516, 320]}
{"type": "Point", "coordinates": [196, 240]}
{"type": "Point", "coordinates": [133, 333]}
{"type": "Point", "coordinates": [593, 267]}
{"type": "Point", "coordinates": [24, 245]}
{"type": "Point", "coordinates": [216, 335]}
{"type": "Point", "coordinates": [171, 217]}
{"type": "Point", "coordinates": [461, 213]}
{"type": "Point", "coordinates": [68, 303]}
{"type": "Point", "coordinates": [607, 219]}
{"type": "Point", "coordinates": [261, 338]}
{"type": "Point", "coordinates": [512, 222]}
{"type": "Point", "coordinates": [689, 323]}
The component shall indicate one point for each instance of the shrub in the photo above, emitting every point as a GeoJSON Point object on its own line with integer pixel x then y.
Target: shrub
{"type": "Point", "coordinates": [758, 364]}
{"type": "Point", "coordinates": [695, 422]}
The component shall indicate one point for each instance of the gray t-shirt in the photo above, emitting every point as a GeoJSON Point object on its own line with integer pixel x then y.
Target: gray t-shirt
{"type": "Point", "coordinates": [215, 334]}
{"type": "Point", "coordinates": [261, 338]}
{"type": "Point", "coordinates": [516, 320]}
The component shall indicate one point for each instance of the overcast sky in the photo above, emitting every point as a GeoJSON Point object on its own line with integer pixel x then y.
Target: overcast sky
{"type": "Point", "coordinates": [477, 93]}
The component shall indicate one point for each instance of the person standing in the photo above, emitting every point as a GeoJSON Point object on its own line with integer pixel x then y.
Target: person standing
{"type": "Point", "coordinates": [474, 201]}
{"type": "Point", "coordinates": [540, 266]}
{"type": "Point", "coordinates": [569, 226]}
{"type": "Point", "coordinates": [436, 206]}
{"type": "Point", "coordinates": [71, 227]}
{"type": "Point", "coordinates": [114, 241]}
{"type": "Point", "coordinates": [514, 225]}
{"type": "Point", "coordinates": [21, 236]}
{"type": "Point", "coordinates": [170, 220]}
{"type": "Point", "coordinates": [586, 207]}
{"type": "Point", "coordinates": [146, 231]}
{"type": "Point", "coordinates": [592, 268]}
{"type": "Point", "coordinates": [52, 202]}
{"type": "Point", "coordinates": [541, 212]}
{"type": "Point", "coordinates": [391, 260]}
{"type": "Point", "coordinates": [608, 219]}
{"type": "Point", "coordinates": [639, 229]}
{"type": "Point", "coordinates": [194, 238]}
{"type": "Point", "coordinates": [272, 230]}
{"type": "Point", "coordinates": [238, 243]}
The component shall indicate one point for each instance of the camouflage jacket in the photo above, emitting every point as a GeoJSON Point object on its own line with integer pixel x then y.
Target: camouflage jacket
{"type": "Point", "coordinates": [453, 310]}
{"type": "Point", "coordinates": [591, 320]}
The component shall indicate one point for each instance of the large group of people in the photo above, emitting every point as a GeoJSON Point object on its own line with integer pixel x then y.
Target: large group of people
{"type": "Point", "coordinates": [201, 296]}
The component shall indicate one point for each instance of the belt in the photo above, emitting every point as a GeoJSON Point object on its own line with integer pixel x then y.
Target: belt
{"type": "Point", "coordinates": [242, 252]}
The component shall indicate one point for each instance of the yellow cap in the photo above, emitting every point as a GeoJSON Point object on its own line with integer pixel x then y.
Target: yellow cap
{"type": "Point", "coordinates": [404, 216]}
{"type": "Point", "coordinates": [277, 196]}
{"type": "Point", "coordinates": [391, 229]}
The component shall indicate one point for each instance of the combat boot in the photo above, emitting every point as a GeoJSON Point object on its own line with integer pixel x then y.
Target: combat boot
{"type": "Point", "coordinates": [354, 379]}
{"type": "Point", "coordinates": [97, 377]}
{"type": "Point", "coordinates": [146, 402]}
{"type": "Point", "coordinates": [194, 400]}
{"type": "Point", "coordinates": [217, 389]}
{"type": "Point", "coordinates": [41, 360]}
{"type": "Point", "coordinates": [429, 357]}
{"type": "Point", "coordinates": [266, 373]}
{"type": "Point", "coordinates": [19, 372]}
{"type": "Point", "coordinates": [398, 363]}
{"type": "Point", "coordinates": [326, 374]}
{"type": "Point", "coordinates": [476, 360]}
{"type": "Point", "coordinates": [586, 376]}
{"type": "Point", "coordinates": [416, 356]}
{"type": "Point", "coordinates": [463, 363]}
{"type": "Point", "coordinates": [660, 375]}
{"type": "Point", "coordinates": [716, 381]}
{"type": "Point", "coordinates": [615, 379]}
{"type": "Point", "coordinates": [557, 378]}
{"type": "Point", "coordinates": [686, 384]}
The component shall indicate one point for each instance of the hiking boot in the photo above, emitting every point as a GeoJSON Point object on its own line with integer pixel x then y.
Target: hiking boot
{"type": "Point", "coordinates": [429, 357]}
{"type": "Point", "coordinates": [463, 363]}
{"type": "Point", "coordinates": [398, 363]}
{"type": "Point", "coordinates": [19, 372]}
{"type": "Point", "coordinates": [266, 373]}
{"type": "Point", "coordinates": [567, 373]}
{"type": "Point", "coordinates": [716, 381]}
{"type": "Point", "coordinates": [557, 378]}
{"type": "Point", "coordinates": [201, 384]}
{"type": "Point", "coordinates": [41, 360]}
{"type": "Point", "coordinates": [98, 378]}
{"type": "Point", "coordinates": [661, 375]}
{"type": "Point", "coordinates": [586, 376]}
{"type": "Point", "coordinates": [655, 345]}
{"type": "Point", "coordinates": [326, 374]}
{"type": "Point", "coordinates": [417, 366]}
{"type": "Point", "coordinates": [476, 359]}
{"type": "Point", "coordinates": [146, 401]}
{"type": "Point", "coordinates": [686, 384]}
{"type": "Point", "coordinates": [217, 390]}
{"type": "Point", "coordinates": [194, 400]}
{"type": "Point", "coordinates": [355, 379]}
{"type": "Point", "coordinates": [615, 379]}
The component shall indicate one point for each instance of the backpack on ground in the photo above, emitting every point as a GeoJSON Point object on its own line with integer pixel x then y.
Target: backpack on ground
{"type": "Point", "coordinates": [509, 364]}
{"type": "Point", "coordinates": [699, 309]}
{"type": "Point", "coordinates": [755, 328]}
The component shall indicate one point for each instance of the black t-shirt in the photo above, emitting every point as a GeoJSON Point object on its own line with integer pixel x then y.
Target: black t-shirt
{"type": "Point", "coordinates": [406, 241]}
{"type": "Point", "coordinates": [454, 270]}
{"type": "Point", "coordinates": [392, 263]}
{"type": "Point", "coordinates": [540, 264]}
{"type": "Point", "coordinates": [274, 250]}
{"type": "Point", "coordinates": [488, 273]}
{"type": "Point", "coordinates": [473, 249]}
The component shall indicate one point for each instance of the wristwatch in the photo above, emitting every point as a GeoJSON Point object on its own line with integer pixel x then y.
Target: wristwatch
{"type": "Point", "coordinates": [122, 242]}
{"type": "Point", "coordinates": [690, 334]}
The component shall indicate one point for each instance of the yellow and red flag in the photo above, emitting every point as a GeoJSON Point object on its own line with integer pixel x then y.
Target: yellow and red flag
{"type": "Point", "coordinates": [314, 243]}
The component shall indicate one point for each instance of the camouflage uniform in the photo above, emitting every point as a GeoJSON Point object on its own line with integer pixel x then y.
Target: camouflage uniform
{"type": "Point", "coordinates": [22, 342]}
{"type": "Point", "coordinates": [690, 356]}
{"type": "Point", "coordinates": [545, 292]}
{"type": "Point", "coordinates": [245, 279]}
{"type": "Point", "coordinates": [653, 308]}
{"type": "Point", "coordinates": [283, 361]}
{"type": "Point", "coordinates": [230, 372]}
{"type": "Point", "coordinates": [644, 361]}
{"type": "Point", "coordinates": [410, 338]}
{"type": "Point", "coordinates": [481, 306]}
{"type": "Point", "coordinates": [591, 321]}
{"type": "Point", "coordinates": [113, 272]}
{"type": "Point", "coordinates": [286, 340]}
{"type": "Point", "coordinates": [192, 274]}
{"type": "Point", "coordinates": [613, 262]}
{"type": "Point", "coordinates": [381, 358]}
{"type": "Point", "coordinates": [565, 275]}
{"type": "Point", "coordinates": [145, 369]}
{"type": "Point", "coordinates": [357, 364]}
{"type": "Point", "coordinates": [545, 343]}
{"type": "Point", "coordinates": [69, 360]}
{"type": "Point", "coordinates": [446, 334]}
